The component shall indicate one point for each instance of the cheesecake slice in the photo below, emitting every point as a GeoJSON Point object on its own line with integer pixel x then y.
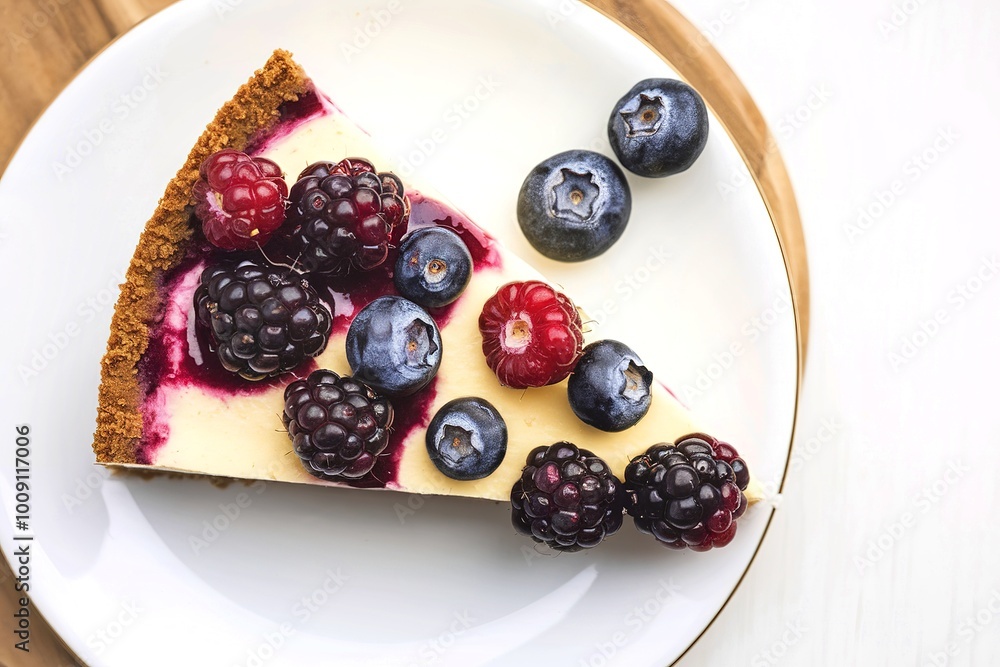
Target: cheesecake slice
{"type": "Point", "coordinates": [166, 403]}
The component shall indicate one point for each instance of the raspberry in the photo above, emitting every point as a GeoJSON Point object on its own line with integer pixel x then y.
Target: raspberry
{"type": "Point", "coordinates": [566, 498]}
{"type": "Point", "coordinates": [342, 217]}
{"type": "Point", "coordinates": [239, 199]}
{"type": "Point", "coordinates": [532, 334]}
{"type": "Point", "coordinates": [261, 322]}
{"type": "Point", "coordinates": [338, 425]}
{"type": "Point", "coordinates": [688, 494]}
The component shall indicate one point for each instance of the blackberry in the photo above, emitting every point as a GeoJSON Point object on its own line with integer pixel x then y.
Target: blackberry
{"type": "Point", "coordinates": [688, 494]}
{"type": "Point", "coordinates": [338, 425]}
{"type": "Point", "coordinates": [341, 217]}
{"type": "Point", "coordinates": [261, 322]}
{"type": "Point", "coordinates": [566, 498]}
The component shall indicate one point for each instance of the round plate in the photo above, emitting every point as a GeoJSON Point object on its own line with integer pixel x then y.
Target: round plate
{"type": "Point", "coordinates": [133, 571]}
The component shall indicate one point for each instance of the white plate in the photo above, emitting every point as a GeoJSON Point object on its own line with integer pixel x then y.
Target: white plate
{"type": "Point", "coordinates": [326, 576]}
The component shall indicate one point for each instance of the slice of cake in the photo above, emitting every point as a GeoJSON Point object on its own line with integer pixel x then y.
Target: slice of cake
{"type": "Point", "coordinates": [261, 334]}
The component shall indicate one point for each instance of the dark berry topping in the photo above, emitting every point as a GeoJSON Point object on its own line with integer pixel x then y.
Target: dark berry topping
{"type": "Point", "coordinates": [262, 322]}
{"type": "Point", "coordinates": [239, 199]}
{"type": "Point", "coordinates": [433, 268]}
{"type": "Point", "coordinates": [566, 498]}
{"type": "Point", "coordinates": [467, 438]}
{"type": "Point", "coordinates": [659, 127]}
{"type": "Point", "coordinates": [394, 346]}
{"type": "Point", "coordinates": [574, 205]}
{"type": "Point", "coordinates": [338, 425]}
{"type": "Point", "coordinates": [532, 334]}
{"type": "Point", "coordinates": [610, 389]}
{"type": "Point", "coordinates": [689, 494]}
{"type": "Point", "coordinates": [341, 217]}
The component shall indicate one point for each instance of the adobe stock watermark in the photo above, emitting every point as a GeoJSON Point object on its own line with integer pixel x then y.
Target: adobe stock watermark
{"type": "Point", "coordinates": [796, 119]}
{"type": "Point", "coordinates": [561, 12]}
{"type": "Point", "coordinates": [899, 16]}
{"type": "Point", "coordinates": [970, 627]}
{"type": "Point", "coordinates": [308, 605]}
{"type": "Point", "coordinates": [223, 7]}
{"type": "Point", "coordinates": [929, 496]}
{"type": "Point", "coordinates": [320, 596]}
{"type": "Point", "coordinates": [432, 650]}
{"type": "Point", "coordinates": [958, 298]}
{"type": "Point", "coordinates": [453, 118]}
{"type": "Point", "coordinates": [722, 362]}
{"type": "Point", "coordinates": [780, 647]}
{"type": "Point", "coordinates": [85, 488]}
{"type": "Point", "coordinates": [827, 431]}
{"type": "Point", "coordinates": [915, 167]}
{"type": "Point", "coordinates": [377, 21]}
{"type": "Point", "coordinates": [31, 24]}
{"type": "Point", "coordinates": [803, 452]}
{"type": "Point", "coordinates": [123, 106]}
{"type": "Point", "coordinates": [39, 357]}
{"type": "Point", "coordinates": [629, 284]}
{"type": "Point", "coordinates": [711, 30]}
{"type": "Point", "coordinates": [104, 638]}
{"type": "Point", "coordinates": [604, 650]}
{"type": "Point", "coordinates": [229, 513]}
{"type": "Point", "coordinates": [414, 502]}
{"type": "Point", "coordinates": [786, 127]}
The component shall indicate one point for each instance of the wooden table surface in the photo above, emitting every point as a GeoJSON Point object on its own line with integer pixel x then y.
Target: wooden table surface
{"type": "Point", "coordinates": [44, 43]}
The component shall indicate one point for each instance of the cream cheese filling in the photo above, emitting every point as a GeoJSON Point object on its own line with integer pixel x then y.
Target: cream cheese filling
{"type": "Point", "coordinates": [242, 435]}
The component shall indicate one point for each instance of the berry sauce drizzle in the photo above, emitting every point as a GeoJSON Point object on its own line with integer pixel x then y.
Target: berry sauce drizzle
{"type": "Point", "coordinates": [290, 116]}
{"type": "Point", "coordinates": [409, 413]}
{"type": "Point", "coordinates": [179, 354]}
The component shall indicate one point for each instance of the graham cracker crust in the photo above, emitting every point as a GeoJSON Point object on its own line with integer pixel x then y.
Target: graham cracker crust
{"type": "Point", "coordinates": [253, 109]}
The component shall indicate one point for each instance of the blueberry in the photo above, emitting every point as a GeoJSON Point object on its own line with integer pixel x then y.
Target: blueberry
{"type": "Point", "coordinates": [467, 438]}
{"type": "Point", "coordinates": [433, 267]}
{"type": "Point", "coordinates": [659, 127]}
{"type": "Point", "coordinates": [574, 205]}
{"type": "Point", "coordinates": [610, 388]}
{"type": "Point", "coordinates": [394, 346]}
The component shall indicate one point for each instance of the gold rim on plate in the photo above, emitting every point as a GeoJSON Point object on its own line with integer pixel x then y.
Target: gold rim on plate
{"type": "Point", "coordinates": [666, 32]}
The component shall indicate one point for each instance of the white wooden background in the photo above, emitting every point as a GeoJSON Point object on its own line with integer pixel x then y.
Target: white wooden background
{"type": "Point", "coordinates": [886, 549]}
